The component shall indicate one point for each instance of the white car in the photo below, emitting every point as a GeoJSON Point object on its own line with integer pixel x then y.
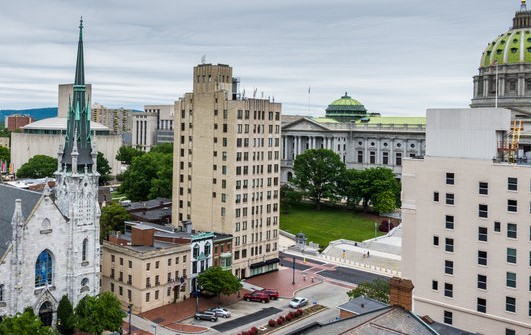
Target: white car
{"type": "Point", "coordinates": [298, 302]}
{"type": "Point", "coordinates": [220, 312]}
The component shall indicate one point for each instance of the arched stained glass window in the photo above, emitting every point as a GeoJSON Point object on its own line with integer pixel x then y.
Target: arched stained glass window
{"type": "Point", "coordinates": [84, 252]}
{"type": "Point", "coordinates": [44, 269]}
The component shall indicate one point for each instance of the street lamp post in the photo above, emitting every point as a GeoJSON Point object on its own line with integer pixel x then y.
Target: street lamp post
{"type": "Point", "coordinates": [155, 328]}
{"type": "Point", "coordinates": [293, 281]}
{"type": "Point", "coordinates": [130, 306]}
{"type": "Point", "coordinates": [375, 225]}
{"type": "Point", "coordinates": [196, 296]}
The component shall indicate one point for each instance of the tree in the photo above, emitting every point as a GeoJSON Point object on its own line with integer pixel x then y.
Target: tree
{"type": "Point", "coordinates": [112, 218]}
{"type": "Point", "coordinates": [317, 172]}
{"type": "Point", "coordinates": [126, 154]}
{"type": "Point", "coordinates": [288, 198]}
{"type": "Point", "coordinates": [376, 181]}
{"type": "Point", "coordinates": [219, 281]}
{"type": "Point", "coordinates": [38, 166]}
{"type": "Point", "coordinates": [103, 168]}
{"type": "Point", "coordinates": [150, 175]}
{"type": "Point", "coordinates": [350, 186]}
{"type": "Point", "coordinates": [94, 314]}
{"type": "Point", "coordinates": [65, 316]}
{"type": "Point", "coordinates": [26, 323]}
{"type": "Point", "coordinates": [377, 290]}
{"type": "Point", "coordinates": [4, 154]}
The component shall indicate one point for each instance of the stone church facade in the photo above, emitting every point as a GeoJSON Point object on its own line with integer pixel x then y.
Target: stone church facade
{"type": "Point", "coordinates": [49, 241]}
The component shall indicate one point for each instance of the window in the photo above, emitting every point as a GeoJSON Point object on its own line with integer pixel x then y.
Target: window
{"type": "Point", "coordinates": [482, 282]}
{"type": "Point", "coordinates": [497, 226]}
{"type": "Point", "coordinates": [482, 234]}
{"type": "Point", "coordinates": [436, 196]}
{"type": "Point", "coordinates": [450, 178]}
{"type": "Point", "coordinates": [84, 250]}
{"type": "Point", "coordinates": [448, 290]}
{"type": "Point", "coordinates": [449, 198]}
{"type": "Point", "coordinates": [44, 269]}
{"type": "Point", "coordinates": [1, 292]}
{"type": "Point", "coordinates": [435, 240]}
{"type": "Point", "coordinates": [434, 285]}
{"type": "Point", "coordinates": [448, 316]}
{"type": "Point", "coordinates": [483, 188]}
{"type": "Point", "coordinates": [449, 222]}
{"type": "Point", "coordinates": [449, 267]}
{"type": "Point", "coordinates": [512, 205]}
{"type": "Point", "coordinates": [148, 265]}
{"type": "Point", "coordinates": [360, 156]}
{"type": "Point", "coordinates": [510, 331]}
{"type": "Point", "coordinates": [398, 159]}
{"type": "Point", "coordinates": [511, 230]}
{"type": "Point", "coordinates": [385, 158]}
{"type": "Point", "coordinates": [482, 257]}
{"type": "Point", "coordinates": [196, 251]}
{"type": "Point", "coordinates": [511, 255]}
{"type": "Point", "coordinates": [510, 279]}
{"type": "Point", "coordinates": [512, 184]}
{"type": "Point", "coordinates": [510, 304]}
{"type": "Point", "coordinates": [449, 244]}
{"type": "Point", "coordinates": [482, 305]}
{"type": "Point", "coordinates": [207, 249]}
{"type": "Point", "coordinates": [483, 211]}
{"type": "Point", "coordinates": [529, 312]}
{"type": "Point", "coordinates": [147, 297]}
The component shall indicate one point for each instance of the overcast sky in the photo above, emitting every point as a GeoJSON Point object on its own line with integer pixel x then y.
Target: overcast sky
{"type": "Point", "coordinates": [395, 57]}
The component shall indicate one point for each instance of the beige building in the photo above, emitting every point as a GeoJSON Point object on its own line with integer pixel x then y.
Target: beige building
{"type": "Point", "coordinates": [4, 142]}
{"type": "Point", "coordinates": [153, 126]}
{"type": "Point", "coordinates": [118, 120]}
{"type": "Point", "coordinates": [146, 270]}
{"type": "Point", "coordinates": [227, 166]}
{"type": "Point", "coordinates": [465, 212]}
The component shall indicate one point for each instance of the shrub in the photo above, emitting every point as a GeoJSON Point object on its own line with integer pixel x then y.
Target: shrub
{"type": "Point", "coordinates": [280, 321]}
{"type": "Point", "coordinates": [254, 331]}
{"type": "Point", "coordinates": [299, 311]}
{"type": "Point", "coordinates": [288, 317]}
{"type": "Point", "coordinates": [272, 323]}
{"type": "Point", "coordinates": [291, 314]}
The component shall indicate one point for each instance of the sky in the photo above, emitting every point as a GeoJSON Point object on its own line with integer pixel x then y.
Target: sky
{"type": "Point", "coordinates": [398, 58]}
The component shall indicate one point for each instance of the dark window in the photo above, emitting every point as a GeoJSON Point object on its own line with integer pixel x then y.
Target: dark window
{"type": "Point", "coordinates": [448, 290]}
{"type": "Point", "coordinates": [512, 184]}
{"type": "Point", "coordinates": [510, 331]}
{"type": "Point", "coordinates": [497, 226]}
{"type": "Point", "coordinates": [449, 244]}
{"type": "Point", "coordinates": [435, 240]}
{"type": "Point", "coordinates": [434, 285]}
{"type": "Point", "coordinates": [449, 267]}
{"type": "Point", "coordinates": [511, 255]}
{"type": "Point", "coordinates": [449, 198]}
{"type": "Point", "coordinates": [511, 230]}
{"type": "Point", "coordinates": [449, 222]}
{"type": "Point", "coordinates": [482, 257]}
{"type": "Point", "coordinates": [482, 282]}
{"type": "Point", "coordinates": [483, 211]}
{"type": "Point", "coordinates": [398, 159]}
{"type": "Point", "coordinates": [512, 205]}
{"type": "Point", "coordinates": [436, 196]}
{"type": "Point", "coordinates": [510, 279]}
{"type": "Point", "coordinates": [483, 188]}
{"type": "Point", "coordinates": [360, 156]}
{"type": "Point", "coordinates": [450, 178]}
{"type": "Point", "coordinates": [482, 305]}
{"type": "Point", "coordinates": [510, 304]}
{"type": "Point", "coordinates": [448, 316]}
{"type": "Point", "coordinates": [482, 234]}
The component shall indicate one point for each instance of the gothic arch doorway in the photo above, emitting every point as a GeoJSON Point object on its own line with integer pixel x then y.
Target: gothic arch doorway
{"type": "Point", "coordinates": [46, 313]}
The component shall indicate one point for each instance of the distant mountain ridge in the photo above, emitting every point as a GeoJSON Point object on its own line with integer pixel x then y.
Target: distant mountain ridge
{"type": "Point", "coordinates": [37, 113]}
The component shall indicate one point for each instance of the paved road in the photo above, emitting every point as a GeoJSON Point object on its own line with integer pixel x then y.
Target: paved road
{"type": "Point", "coordinates": [261, 314]}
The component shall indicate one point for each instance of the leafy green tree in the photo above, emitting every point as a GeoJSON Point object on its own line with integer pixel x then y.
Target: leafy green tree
{"type": "Point", "coordinates": [25, 324]}
{"type": "Point", "coordinates": [38, 166]}
{"type": "Point", "coordinates": [317, 172]}
{"type": "Point", "coordinates": [4, 154]}
{"type": "Point", "coordinates": [376, 181]}
{"type": "Point", "coordinates": [377, 289]}
{"type": "Point", "coordinates": [103, 168]}
{"type": "Point", "coordinates": [350, 186]}
{"type": "Point", "coordinates": [219, 281]}
{"type": "Point", "coordinates": [65, 316]}
{"type": "Point", "coordinates": [126, 154]}
{"type": "Point", "coordinates": [95, 314]}
{"type": "Point", "coordinates": [112, 218]}
{"type": "Point", "coordinates": [288, 198]}
{"type": "Point", "coordinates": [150, 175]}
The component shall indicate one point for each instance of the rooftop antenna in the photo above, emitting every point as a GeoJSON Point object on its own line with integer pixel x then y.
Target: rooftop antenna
{"type": "Point", "coordinates": [254, 93]}
{"type": "Point", "coordinates": [309, 95]}
{"type": "Point", "coordinates": [203, 59]}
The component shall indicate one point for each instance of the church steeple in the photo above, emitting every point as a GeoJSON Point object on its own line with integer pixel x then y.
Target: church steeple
{"type": "Point", "coordinates": [78, 123]}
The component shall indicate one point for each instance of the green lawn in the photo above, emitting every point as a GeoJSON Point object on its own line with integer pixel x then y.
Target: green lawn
{"type": "Point", "coordinates": [328, 224]}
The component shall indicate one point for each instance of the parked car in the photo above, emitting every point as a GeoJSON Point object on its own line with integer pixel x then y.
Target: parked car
{"type": "Point", "coordinates": [298, 302]}
{"type": "Point", "coordinates": [206, 315]}
{"type": "Point", "coordinates": [273, 294]}
{"type": "Point", "coordinates": [220, 312]}
{"type": "Point", "coordinates": [256, 296]}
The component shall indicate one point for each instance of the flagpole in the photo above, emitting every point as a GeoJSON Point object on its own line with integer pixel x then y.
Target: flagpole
{"type": "Point", "coordinates": [309, 95]}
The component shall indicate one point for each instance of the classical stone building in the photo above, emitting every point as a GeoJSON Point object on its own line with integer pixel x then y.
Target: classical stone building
{"type": "Point", "coordinates": [49, 244]}
{"type": "Point", "coordinates": [361, 139]}
{"type": "Point", "coordinates": [153, 126]}
{"type": "Point", "coordinates": [227, 166]}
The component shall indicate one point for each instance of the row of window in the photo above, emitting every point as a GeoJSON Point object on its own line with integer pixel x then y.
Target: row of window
{"type": "Point", "coordinates": [258, 115]}
{"type": "Point", "coordinates": [254, 237]}
{"type": "Point", "coordinates": [148, 265]}
{"type": "Point", "coordinates": [385, 157]}
{"type": "Point", "coordinates": [129, 281]}
{"type": "Point", "coordinates": [448, 315]}
{"type": "Point", "coordinates": [243, 225]}
{"type": "Point", "coordinates": [481, 306]}
{"type": "Point", "coordinates": [483, 187]}
{"type": "Point", "coordinates": [257, 155]}
{"type": "Point", "coordinates": [255, 251]}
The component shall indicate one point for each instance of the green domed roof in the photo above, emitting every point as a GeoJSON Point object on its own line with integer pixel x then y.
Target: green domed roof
{"type": "Point", "coordinates": [346, 108]}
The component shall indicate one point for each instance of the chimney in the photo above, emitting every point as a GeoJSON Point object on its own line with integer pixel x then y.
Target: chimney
{"type": "Point", "coordinates": [142, 236]}
{"type": "Point", "coordinates": [401, 293]}
{"type": "Point", "coordinates": [187, 225]}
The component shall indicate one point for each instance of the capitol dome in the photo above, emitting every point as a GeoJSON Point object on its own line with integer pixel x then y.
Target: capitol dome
{"type": "Point", "coordinates": [346, 108]}
{"type": "Point", "coordinates": [504, 78]}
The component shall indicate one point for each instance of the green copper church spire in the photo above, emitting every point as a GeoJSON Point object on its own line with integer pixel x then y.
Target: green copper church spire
{"type": "Point", "coordinates": [78, 139]}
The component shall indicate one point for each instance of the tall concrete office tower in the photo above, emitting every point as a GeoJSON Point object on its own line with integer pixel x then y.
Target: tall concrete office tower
{"type": "Point", "coordinates": [226, 173]}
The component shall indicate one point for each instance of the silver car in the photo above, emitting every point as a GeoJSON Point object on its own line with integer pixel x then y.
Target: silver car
{"type": "Point", "coordinates": [298, 302]}
{"type": "Point", "coordinates": [220, 312]}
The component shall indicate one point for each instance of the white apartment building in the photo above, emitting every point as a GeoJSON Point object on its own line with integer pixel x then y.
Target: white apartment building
{"type": "Point", "coordinates": [226, 167]}
{"type": "Point", "coordinates": [466, 224]}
